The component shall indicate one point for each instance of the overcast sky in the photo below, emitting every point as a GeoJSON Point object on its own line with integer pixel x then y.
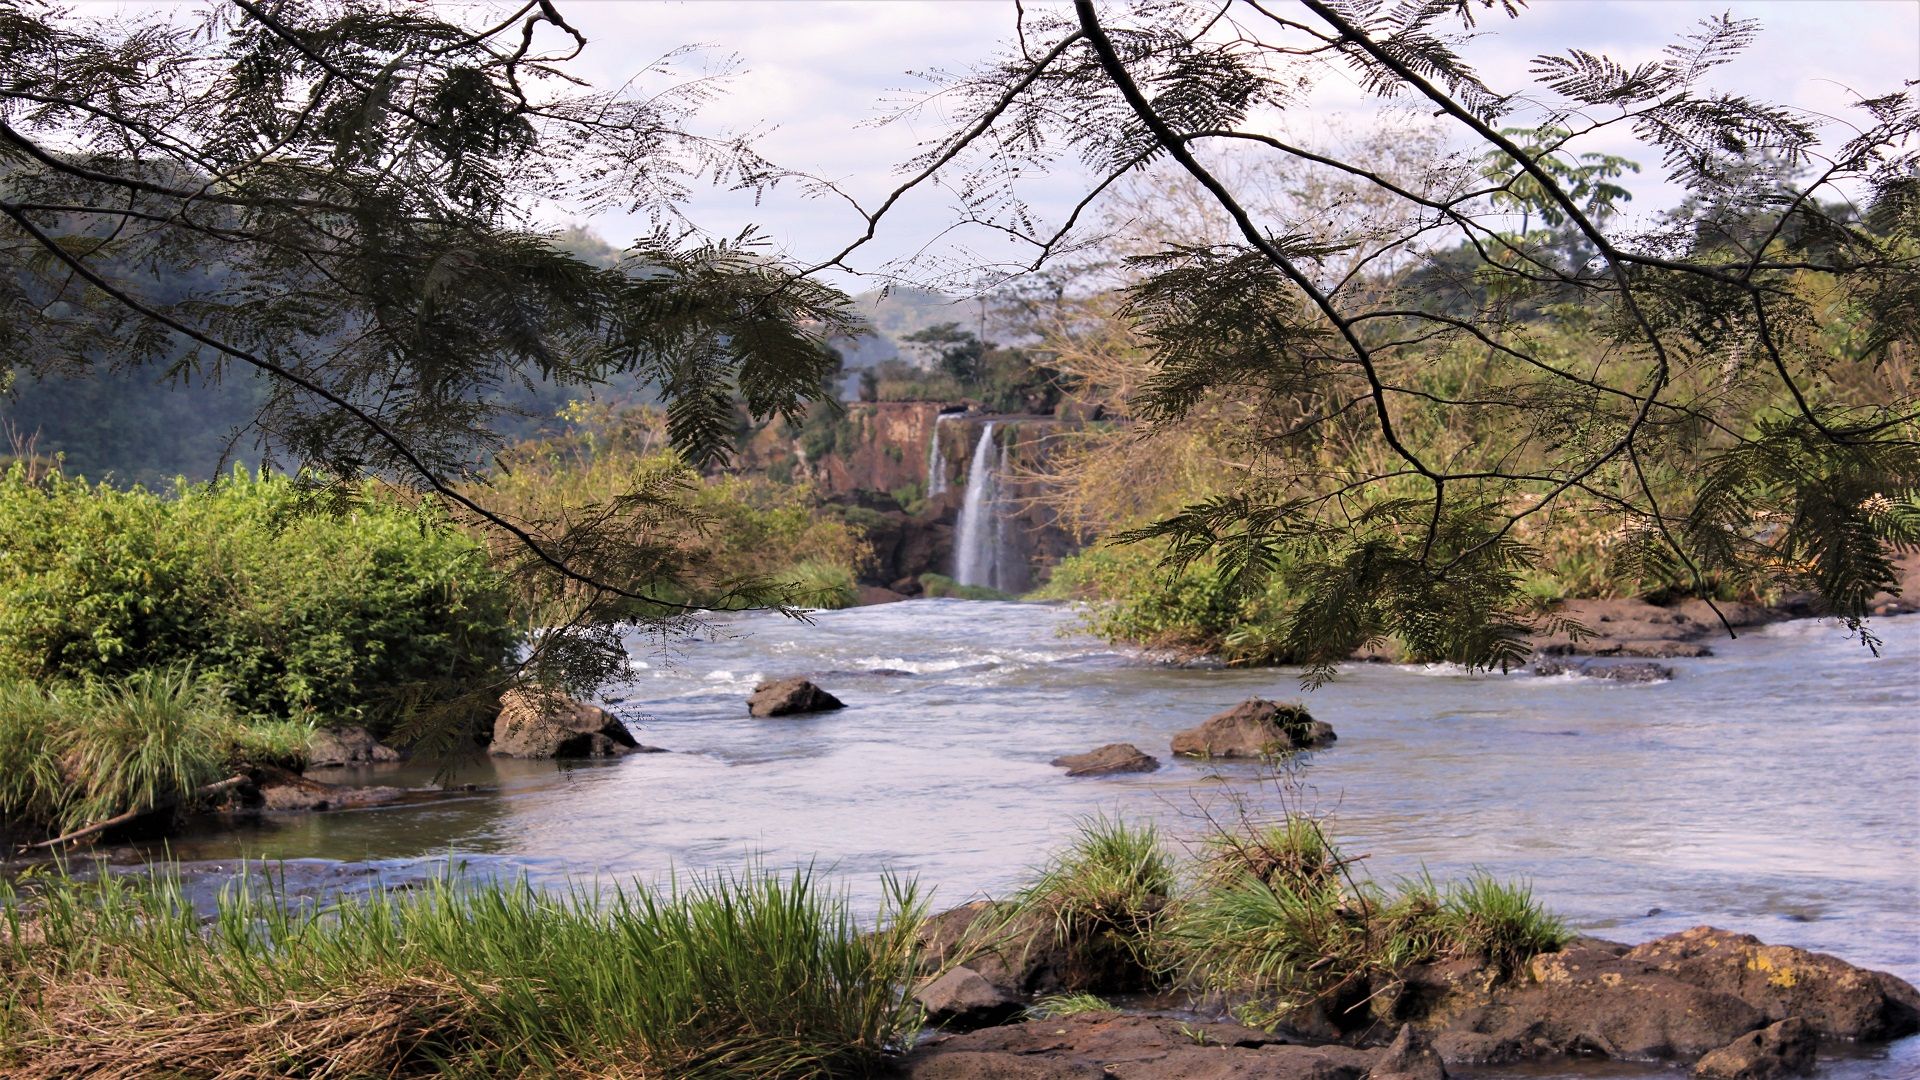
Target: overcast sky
{"type": "Point", "coordinates": [819, 72]}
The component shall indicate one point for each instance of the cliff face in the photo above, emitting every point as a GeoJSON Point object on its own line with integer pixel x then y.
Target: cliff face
{"type": "Point", "coordinates": [876, 456]}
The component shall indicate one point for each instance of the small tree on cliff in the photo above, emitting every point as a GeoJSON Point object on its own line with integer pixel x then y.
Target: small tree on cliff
{"type": "Point", "coordinates": [1740, 412]}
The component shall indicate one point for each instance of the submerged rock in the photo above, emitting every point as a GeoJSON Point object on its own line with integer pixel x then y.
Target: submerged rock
{"type": "Point", "coordinates": [278, 789]}
{"type": "Point", "coordinates": [1107, 760]}
{"type": "Point", "coordinates": [789, 697]}
{"type": "Point", "coordinates": [533, 726]}
{"type": "Point", "coordinates": [346, 746]}
{"type": "Point", "coordinates": [1252, 729]}
{"type": "Point", "coordinates": [1774, 1052]}
{"type": "Point", "coordinates": [1627, 673]}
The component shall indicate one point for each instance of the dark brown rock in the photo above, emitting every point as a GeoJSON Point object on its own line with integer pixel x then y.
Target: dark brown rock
{"type": "Point", "coordinates": [977, 1065]}
{"type": "Point", "coordinates": [1408, 1057]}
{"type": "Point", "coordinates": [550, 726]}
{"type": "Point", "coordinates": [1137, 1047]}
{"type": "Point", "coordinates": [790, 697]}
{"type": "Point", "coordinates": [346, 746]}
{"type": "Point", "coordinates": [963, 998]}
{"type": "Point", "coordinates": [874, 594]}
{"type": "Point", "coordinates": [1774, 1052]}
{"type": "Point", "coordinates": [1836, 999]}
{"type": "Point", "coordinates": [1023, 954]}
{"type": "Point", "coordinates": [1107, 760]}
{"type": "Point", "coordinates": [1252, 729]}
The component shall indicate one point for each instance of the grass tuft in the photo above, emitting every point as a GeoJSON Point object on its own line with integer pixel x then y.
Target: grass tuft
{"type": "Point", "coordinates": [1500, 922]}
{"type": "Point", "coordinates": [1060, 1006]}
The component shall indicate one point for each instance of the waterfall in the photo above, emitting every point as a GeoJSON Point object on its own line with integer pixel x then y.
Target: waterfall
{"type": "Point", "coordinates": [976, 542]}
{"type": "Point", "coordinates": [937, 465]}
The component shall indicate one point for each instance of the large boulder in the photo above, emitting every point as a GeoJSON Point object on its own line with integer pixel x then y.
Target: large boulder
{"type": "Point", "coordinates": [532, 725]}
{"type": "Point", "coordinates": [963, 998]}
{"type": "Point", "coordinates": [1679, 997]}
{"type": "Point", "coordinates": [1023, 954]}
{"type": "Point", "coordinates": [1836, 999]}
{"type": "Point", "coordinates": [790, 697]}
{"type": "Point", "coordinates": [1108, 760]}
{"type": "Point", "coordinates": [1774, 1052]}
{"type": "Point", "coordinates": [274, 788]}
{"type": "Point", "coordinates": [347, 746]}
{"type": "Point", "coordinates": [1255, 728]}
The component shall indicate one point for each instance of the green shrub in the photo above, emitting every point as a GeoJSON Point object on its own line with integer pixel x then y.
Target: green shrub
{"type": "Point", "coordinates": [822, 585]}
{"type": "Point", "coordinates": [1129, 596]}
{"type": "Point", "coordinates": [350, 617]}
{"type": "Point", "coordinates": [750, 975]}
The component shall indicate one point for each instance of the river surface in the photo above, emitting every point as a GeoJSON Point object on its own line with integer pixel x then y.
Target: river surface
{"type": "Point", "coordinates": [1773, 788]}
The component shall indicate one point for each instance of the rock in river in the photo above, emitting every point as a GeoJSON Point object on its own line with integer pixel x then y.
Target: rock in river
{"type": "Point", "coordinates": [1252, 729]}
{"type": "Point", "coordinates": [533, 726]}
{"type": "Point", "coordinates": [1109, 759]}
{"type": "Point", "coordinates": [346, 746]}
{"type": "Point", "coordinates": [789, 697]}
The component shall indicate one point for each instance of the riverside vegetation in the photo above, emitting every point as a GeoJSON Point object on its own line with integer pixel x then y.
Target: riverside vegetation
{"type": "Point", "coordinates": [755, 974]}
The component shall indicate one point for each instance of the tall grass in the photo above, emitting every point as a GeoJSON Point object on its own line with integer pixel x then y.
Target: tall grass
{"type": "Point", "coordinates": [73, 754]}
{"type": "Point", "coordinates": [754, 974]}
{"type": "Point", "coordinates": [1103, 894]}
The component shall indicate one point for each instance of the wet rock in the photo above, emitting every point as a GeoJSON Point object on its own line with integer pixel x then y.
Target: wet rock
{"type": "Point", "coordinates": [962, 998]}
{"type": "Point", "coordinates": [535, 726]}
{"type": "Point", "coordinates": [977, 1065]}
{"type": "Point", "coordinates": [789, 697]}
{"type": "Point", "coordinates": [1627, 673]}
{"type": "Point", "coordinates": [346, 746]}
{"type": "Point", "coordinates": [1107, 760]}
{"type": "Point", "coordinates": [1836, 999]}
{"type": "Point", "coordinates": [1779, 1050]}
{"type": "Point", "coordinates": [1252, 729]}
{"type": "Point", "coordinates": [870, 595]}
{"type": "Point", "coordinates": [1408, 1057]}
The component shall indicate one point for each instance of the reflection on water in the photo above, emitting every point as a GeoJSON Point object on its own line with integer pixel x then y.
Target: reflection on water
{"type": "Point", "coordinates": [1773, 789]}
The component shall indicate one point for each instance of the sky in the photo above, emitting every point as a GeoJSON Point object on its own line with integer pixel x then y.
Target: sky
{"type": "Point", "coordinates": [817, 74]}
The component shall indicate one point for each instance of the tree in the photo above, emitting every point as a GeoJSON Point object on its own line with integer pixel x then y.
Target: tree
{"type": "Point", "coordinates": [950, 350]}
{"type": "Point", "coordinates": [340, 195]}
{"type": "Point", "coordinates": [1713, 422]}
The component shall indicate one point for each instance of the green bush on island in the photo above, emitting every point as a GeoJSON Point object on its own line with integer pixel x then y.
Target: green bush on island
{"type": "Point", "coordinates": [756, 974]}
{"type": "Point", "coordinates": [350, 615]}
{"type": "Point", "coordinates": [938, 586]}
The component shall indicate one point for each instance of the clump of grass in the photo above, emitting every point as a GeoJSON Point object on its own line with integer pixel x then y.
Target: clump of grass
{"type": "Point", "coordinates": [1103, 895]}
{"type": "Point", "coordinates": [940, 585]}
{"type": "Point", "coordinates": [1500, 922]}
{"type": "Point", "coordinates": [745, 975]}
{"type": "Point", "coordinates": [1060, 1006]}
{"type": "Point", "coordinates": [73, 754]}
{"type": "Point", "coordinates": [1276, 918]}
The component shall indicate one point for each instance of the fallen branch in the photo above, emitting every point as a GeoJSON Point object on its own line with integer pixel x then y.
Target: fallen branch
{"type": "Point", "coordinates": [214, 788]}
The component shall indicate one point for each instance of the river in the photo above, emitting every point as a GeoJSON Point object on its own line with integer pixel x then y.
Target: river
{"type": "Point", "coordinates": [1773, 788]}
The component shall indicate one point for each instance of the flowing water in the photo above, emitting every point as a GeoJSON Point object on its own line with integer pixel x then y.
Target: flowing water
{"type": "Point", "coordinates": [1774, 788]}
{"type": "Point", "coordinates": [976, 541]}
{"type": "Point", "coordinates": [936, 464]}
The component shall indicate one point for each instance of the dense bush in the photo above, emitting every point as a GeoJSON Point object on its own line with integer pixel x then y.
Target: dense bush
{"type": "Point", "coordinates": [349, 617]}
{"type": "Point", "coordinates": [1130, 596]}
